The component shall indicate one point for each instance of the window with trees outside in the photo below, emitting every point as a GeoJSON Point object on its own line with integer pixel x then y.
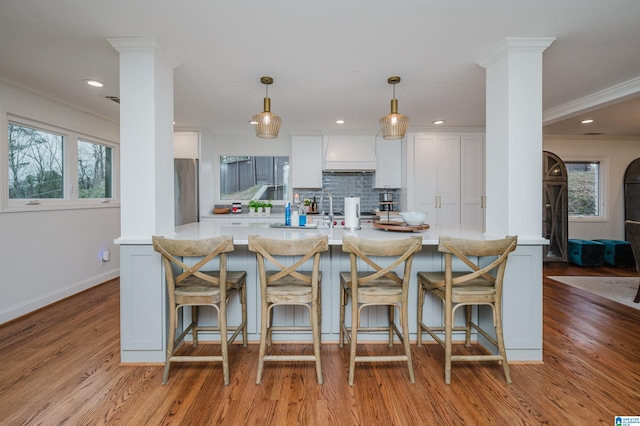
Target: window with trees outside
{"type": "Point", "coordinates": [585, 189]}
{"type": "Point", "coordinates": [51, 168]}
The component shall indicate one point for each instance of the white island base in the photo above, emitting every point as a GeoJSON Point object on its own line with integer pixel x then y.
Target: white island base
{"type": "Point", "coordinates": [143, 310]}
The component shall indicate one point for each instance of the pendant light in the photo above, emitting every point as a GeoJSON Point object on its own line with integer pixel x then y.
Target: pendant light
{"type": "Point", "coordinates": [266, 123]}
{"type": "Point", "coordinates": [394, 125]}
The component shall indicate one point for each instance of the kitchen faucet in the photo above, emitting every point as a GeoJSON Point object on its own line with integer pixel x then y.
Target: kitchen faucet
{"type": "Point", "coordinates": [326, 219]}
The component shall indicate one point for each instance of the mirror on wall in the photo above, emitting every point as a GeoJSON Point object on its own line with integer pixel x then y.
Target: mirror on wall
{"type": "Point", "coordinates": [244, 177]}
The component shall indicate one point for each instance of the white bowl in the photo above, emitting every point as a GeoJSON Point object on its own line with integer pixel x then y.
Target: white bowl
{"type": "Point", "coordinates": [413, 218]}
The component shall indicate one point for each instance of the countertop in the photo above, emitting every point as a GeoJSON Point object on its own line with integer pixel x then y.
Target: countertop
{"type": "Point", "coordinates": [241, 232]}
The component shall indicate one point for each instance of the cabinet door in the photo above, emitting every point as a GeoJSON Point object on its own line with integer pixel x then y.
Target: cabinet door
{"type": "Point", "coordinates": [186, 145]}
{"type": "Point", "coordinates": [306, 162]}
{"type": "Point", "coordinates": [425, 176]}
{"type": "Point", "coordinates": [472, 187]}
{"type": "Point", "coordinates": [448, 169]}
{"type": "Point", "coordinates": [389, 164]}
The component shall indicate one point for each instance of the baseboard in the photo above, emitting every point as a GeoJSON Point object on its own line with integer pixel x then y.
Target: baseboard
{"type": "Point", "coordinates": [16, 311]}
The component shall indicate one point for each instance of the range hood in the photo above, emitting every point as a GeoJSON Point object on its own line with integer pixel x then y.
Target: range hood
{"type": "Point", "coordinates": [349, 153]}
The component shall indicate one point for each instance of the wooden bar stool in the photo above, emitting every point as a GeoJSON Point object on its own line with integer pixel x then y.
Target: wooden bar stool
{"type": "Point", "coordinates": [477, 285]}
{"type": "Point", "coordinates": [293, 284]}
{"type": "Point", "coordinates": [369, 284]}
{"type": "Point", "coordinates": [190, 286]}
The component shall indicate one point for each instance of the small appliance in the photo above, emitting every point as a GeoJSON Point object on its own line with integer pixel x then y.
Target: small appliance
{"type": "Point", "coordinates": [352, 213]}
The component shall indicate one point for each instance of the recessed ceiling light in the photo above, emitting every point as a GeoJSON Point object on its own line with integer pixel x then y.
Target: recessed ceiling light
{"type": "Point", "coordinates": [339, 121]}
{"type": "Point", "coordinates": [438, 122]}
{"type": "Point", "coordinates": [587, 121]}
{"type": "Point", "coordinates": [94, 83]}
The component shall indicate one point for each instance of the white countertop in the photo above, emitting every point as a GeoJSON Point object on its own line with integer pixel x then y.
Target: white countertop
{"type": "Point", "coordinates": [241, 232]}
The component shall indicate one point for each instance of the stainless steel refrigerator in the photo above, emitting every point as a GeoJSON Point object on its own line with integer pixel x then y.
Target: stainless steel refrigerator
{"type": "Point", "coordinates": [186, 190]}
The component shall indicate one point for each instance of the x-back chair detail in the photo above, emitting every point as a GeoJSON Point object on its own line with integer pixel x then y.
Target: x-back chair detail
{"type": "Point", "coordinates": [189, 285]}
{"type": "Point", "coordinates": [477, 285]}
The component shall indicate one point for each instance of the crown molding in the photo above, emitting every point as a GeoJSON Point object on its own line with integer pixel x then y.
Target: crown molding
{"type": "Point", "coordinates": [515, 44]}
{"type": "Point", "coordinates": [611, 95]}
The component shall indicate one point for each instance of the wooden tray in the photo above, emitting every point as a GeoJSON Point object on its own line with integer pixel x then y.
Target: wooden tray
{"type": "Point", "coordinates": [399, 226]}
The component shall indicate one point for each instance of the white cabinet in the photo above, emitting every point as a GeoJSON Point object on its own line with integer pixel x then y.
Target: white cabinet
{"type": "Point", "coordinates": [306, 161]}
{"type": "Point", "coordinates": [186, 145]}
{"type": "Point", "coordinates": [446, 178]}
{"type": "Point", "coordinates": [473, 200]}
{"type": "Point", "coordinates": [389, 164]}
{"type": "Point", "coordinates": [436, 178]}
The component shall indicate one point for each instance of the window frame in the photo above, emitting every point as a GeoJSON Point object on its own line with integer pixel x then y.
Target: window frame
{"type": "Point", "coordinates": [603, 179]}
{"type": "Point", "coordinates": [70, 199]}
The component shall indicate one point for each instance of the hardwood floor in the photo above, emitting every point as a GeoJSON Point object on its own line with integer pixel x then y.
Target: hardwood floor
{"type": "Point", "coordinates": [60, 365]}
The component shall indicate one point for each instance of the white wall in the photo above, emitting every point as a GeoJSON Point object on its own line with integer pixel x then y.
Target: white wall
{"type": "Point", "coordinates": [50, 255]}
{"type": "Point", "coordinates": [618, 152]}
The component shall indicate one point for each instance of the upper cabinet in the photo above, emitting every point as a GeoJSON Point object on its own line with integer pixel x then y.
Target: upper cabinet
{"type": "Point", "coordinates": [186, 145]}
{"type": "Point", "coordinates": [306, 161]}
{"type": "Point", "coordinates": [445, 178]}
{"type": "Point", "coordinates": [389, 163]}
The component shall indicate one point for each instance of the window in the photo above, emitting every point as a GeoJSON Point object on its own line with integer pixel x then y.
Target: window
{"type": "Point", "coordinates": [35, 163]}
{"type": "Point", "coordinates": [585, 189]}
{"type": "Point", "coordinates": [94, 170]}
{"type": "Point", "coordinates": [53, 168]}
{"type": "Point", "coordinates": [244, 178]}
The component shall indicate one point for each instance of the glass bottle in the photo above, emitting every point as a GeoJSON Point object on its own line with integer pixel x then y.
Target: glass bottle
{"type": "Point", "coordinates": [287, 214]}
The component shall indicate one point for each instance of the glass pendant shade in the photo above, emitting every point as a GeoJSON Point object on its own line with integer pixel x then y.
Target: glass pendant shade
{"type": "Point", "coordinates": [394, 125]}
{"type": "Point", "coordinates": [266, 123]}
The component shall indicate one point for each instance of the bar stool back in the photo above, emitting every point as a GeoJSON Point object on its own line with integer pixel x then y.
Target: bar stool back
{"type": "Point", "coordinates": [368, 284]}
{"type": "Point", "coordinates": [282, 285]}
{"type": "Point", "coordinates": [478, 285]}
{"type": "Point", "coordinates": [188, 285]}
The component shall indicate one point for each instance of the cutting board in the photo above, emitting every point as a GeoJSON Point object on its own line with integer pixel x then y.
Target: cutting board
{"type": "Point", "coordinates": [398, 226]}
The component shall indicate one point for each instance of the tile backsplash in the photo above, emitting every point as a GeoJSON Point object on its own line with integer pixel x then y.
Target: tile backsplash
{"type": "Point", "coordinates": [344, 185]}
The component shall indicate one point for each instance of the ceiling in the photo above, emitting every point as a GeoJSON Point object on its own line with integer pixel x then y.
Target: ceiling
{"type": "Point", "coordinates": [331, 59]}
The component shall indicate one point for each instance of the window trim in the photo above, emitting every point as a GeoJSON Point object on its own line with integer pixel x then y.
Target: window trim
{"type": "Point", "coordinates": [603, 188]}
{"type": "Point", "coordinates": [70, 199]}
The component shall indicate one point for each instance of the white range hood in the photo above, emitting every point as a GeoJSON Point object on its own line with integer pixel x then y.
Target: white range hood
{"type": "Point", "coordinates": [349, 153]}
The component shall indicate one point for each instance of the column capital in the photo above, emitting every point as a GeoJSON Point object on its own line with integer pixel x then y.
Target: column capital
{"type": "Point", "coordinates": [515, 44]}
{"type": "Point", "coordinates": [142, 45]}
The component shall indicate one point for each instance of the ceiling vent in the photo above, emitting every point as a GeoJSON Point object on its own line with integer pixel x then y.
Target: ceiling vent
{"type": "Point", "coordinates": [115, 99]}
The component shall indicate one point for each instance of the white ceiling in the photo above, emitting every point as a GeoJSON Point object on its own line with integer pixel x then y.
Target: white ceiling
{"type": "Point", "coordinates": [331, 59]}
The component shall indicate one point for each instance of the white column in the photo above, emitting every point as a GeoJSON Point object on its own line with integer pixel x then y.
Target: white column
{"type": "Point", "coordinates": [146, 138]}
{"type": "Point", "coordinates": [514, 137]}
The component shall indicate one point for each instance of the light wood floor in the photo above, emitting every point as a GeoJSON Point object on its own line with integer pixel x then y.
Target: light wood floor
{"type": "Point", "coordinates": [61, 365]}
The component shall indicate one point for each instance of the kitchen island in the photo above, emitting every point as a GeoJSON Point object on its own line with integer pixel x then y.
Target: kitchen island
{"type": "Point", "coordinates": [143, 294]}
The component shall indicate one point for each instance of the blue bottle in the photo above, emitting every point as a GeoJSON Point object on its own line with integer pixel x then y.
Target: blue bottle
{"type": "Point", "coordinates": [287, 214]}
